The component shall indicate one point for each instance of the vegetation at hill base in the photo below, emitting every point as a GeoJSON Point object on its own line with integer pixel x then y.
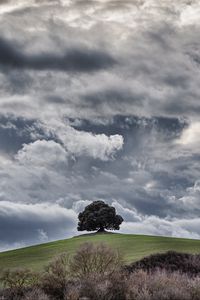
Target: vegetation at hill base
{"type": "Point", "coordinates": [97, 271]}
{"type": "Point", "coordinates": [170, 261]}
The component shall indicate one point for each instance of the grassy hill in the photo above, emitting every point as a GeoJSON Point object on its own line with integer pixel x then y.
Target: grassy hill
{"type": "Point", "coordinates": [133, 247]}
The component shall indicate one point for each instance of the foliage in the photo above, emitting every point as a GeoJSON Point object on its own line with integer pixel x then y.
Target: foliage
{"type": "Point", "coordinates": [170, 261]}
{"type": "Point", "coordinates": [99, 216]}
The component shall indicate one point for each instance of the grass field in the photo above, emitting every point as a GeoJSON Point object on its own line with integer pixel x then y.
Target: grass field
{"type": "Point", "coordinates": [133, 247]}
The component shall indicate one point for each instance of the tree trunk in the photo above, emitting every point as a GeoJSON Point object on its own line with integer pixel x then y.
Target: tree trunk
{"type": "Point", "coordinates": [101, 230]}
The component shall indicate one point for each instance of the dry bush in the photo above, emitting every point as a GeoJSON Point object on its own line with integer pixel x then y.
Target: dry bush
{"type": "Point", "coordinates": [170, 261]}
{"type": "Point", "coordinates": [169, 286]}
{"type": "Point", "coordinates": [117, 286]}
{"type": "Point", "coordinates": [17, 281]}
{"type": "Point", "coordinates": [95, 272]}
{"type": "Point", "coordinates": [90, 264]}
{"type": "Point", "coordinates": [73, 290]}
{"type": "Point", "coordinates": [138, 286]}
{"type": "Point", "coordinates": [104, 287]}
{"type": "Point", "coordinates": [94, 287]}
{"type": "Point", "coordinates": [158, 285]}
{"type": "Point", "coordinates": [194, 286]}
{"type": "Point", "coordinates": [55, 279]}
{"type": "Point", "coordinates": [35, 294]}
{"type": "Point", "coordinates": [94, 259]}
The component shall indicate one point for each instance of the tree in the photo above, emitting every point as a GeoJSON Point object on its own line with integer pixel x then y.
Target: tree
{"type": "Point", "coordinates": [99, 216]}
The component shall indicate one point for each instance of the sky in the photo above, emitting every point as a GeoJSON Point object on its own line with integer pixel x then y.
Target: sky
{"type": "Point", "coordinates": [99, 100]}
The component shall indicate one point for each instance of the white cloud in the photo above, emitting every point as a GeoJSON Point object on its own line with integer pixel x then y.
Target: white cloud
{"type": "Point", "coordinates": [80, 205]}
{"type": "Point", "coordinates": [44, 211]}
{"type": "Point", "coordinates": [9, 6]}
{"type": "Point", "coordinates": [191, 136]}
{"type": "Point", "coordinates": [156, 226]}
{"type": "Point", "coordinates": [95, 145]}
{"type": "Point", "coordinates": [42, 153]}
{"type": "Point", "coordinates": [129, 215]}
{"type": "Point", "coordinates": [190, 14]}
{"type": "Point", "coordinates": [190, 202]}
{"type": "Point", "coordinates": [81, 143]}
{"type": "Point", "coordinates": [42, 236]}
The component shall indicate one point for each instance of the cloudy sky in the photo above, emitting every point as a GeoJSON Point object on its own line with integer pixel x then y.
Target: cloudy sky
{"type": "Point", "coordinates": [100, 99]}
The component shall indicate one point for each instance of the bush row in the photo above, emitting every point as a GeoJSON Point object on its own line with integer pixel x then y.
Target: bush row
{"type": "Point", "coordinates": [97, 272]}
{"type": "Point", "coordinates": [170, 261]}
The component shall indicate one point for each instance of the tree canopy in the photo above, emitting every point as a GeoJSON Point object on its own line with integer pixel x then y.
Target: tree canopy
{"type": "Point", "coordinates": [99, 216]}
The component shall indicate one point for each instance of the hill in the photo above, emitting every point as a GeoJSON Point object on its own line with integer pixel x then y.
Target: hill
{"type": "Point", "coordinates": [134, 247]}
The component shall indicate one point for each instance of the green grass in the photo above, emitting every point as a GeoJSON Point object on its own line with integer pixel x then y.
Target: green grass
{"type": "Point", "coordinates": [133, 247]}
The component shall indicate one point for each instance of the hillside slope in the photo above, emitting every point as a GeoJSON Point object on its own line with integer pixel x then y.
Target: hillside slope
{"type": "Point", "coordinates": [133, 247]}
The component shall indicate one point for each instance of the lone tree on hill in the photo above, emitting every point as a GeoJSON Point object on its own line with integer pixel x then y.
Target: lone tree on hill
{"type": "Point", "coordinates": [99, 216]}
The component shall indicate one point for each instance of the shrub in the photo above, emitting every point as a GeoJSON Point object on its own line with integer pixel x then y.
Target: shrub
{"type": "Point", "coordinates": [73, 291]}
{"type": "Point", "coordinates": [35, 294]}
{"type": "Point", "coordinates": [104, 287]}
{"type": "Point", "coordinates": [88, 262]}
{"type": "Point", "coordinates": [170, 261]}
{"type": "Point", "coordinates": [95, 272]}
{"type": "Point", "coordinates": [169, 286]}
{"type": "Point", "coordinates": [158, 285]}
{"type": "Point", "coordinates": [137, 286]}
{"type": "Point", "coordinates": [95, 259]}
{"type": "Point", "coordinates": [194, 286]}
{"type": "Point", "coordinates": [18, 280]}
{"type": "Point", "coordinates": [55, 278]}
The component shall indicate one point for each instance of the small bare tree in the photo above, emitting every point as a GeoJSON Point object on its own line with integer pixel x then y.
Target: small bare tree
{"type": "Point", "coordinates": [95, 259]}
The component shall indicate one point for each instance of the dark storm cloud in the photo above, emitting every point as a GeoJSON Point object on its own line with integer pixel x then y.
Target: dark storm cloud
{"type": "Point", "coordinates": [55, 100]}
{"type": "Point", "coordinates": [21, 224]}
{"type": "Point", "coordinates": [73, 60]}
{"type": "Point", "coordinates": [130, 125]}
{"type": "Point", "coordinates": [112, 98]}
{"type": "Point", "coordinates": [154, 72]}
{"type": "Point", "coordinates": [14, 132]}
{"type": "Point", "coordinates": [4, 1]}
